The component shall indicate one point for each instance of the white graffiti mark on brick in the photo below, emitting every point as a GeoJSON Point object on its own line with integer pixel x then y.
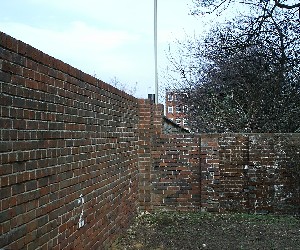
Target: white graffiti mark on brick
{"type": "Point", "coordinates": [81, 219]}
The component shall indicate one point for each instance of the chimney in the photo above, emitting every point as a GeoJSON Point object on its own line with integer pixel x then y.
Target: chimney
{"type": "Point", "coordinates": [151, 97]}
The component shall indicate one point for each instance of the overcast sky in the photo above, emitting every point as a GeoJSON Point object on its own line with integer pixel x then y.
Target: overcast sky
{"type": "Point", "coordinates": [106, 38]}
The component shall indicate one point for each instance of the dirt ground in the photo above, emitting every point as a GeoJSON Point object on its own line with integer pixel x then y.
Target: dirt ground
{"type": "Point", "coordinates": [174, 230]}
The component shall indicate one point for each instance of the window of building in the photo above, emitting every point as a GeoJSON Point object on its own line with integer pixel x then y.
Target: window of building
{"type": "Point", "coordinates": [175, 98]}
{"type": "Point", "coordinates": [170, 97]}
{"type": "Point", "coordinates": [170, 109]}
{"type": "Point", "coordinates": [185, 109]}
{"type": "Point", "coordinates": [178, 109]}
{"type": "Point", "coordinates": [184, 121]}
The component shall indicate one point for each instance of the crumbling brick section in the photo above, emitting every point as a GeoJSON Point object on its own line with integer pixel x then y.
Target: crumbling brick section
{"type": "Point", "coordinates": [273, 173]}
{"type": "Point", "coordinates": [252, 173]}
{"type": "Point", "coordinates": [68, 154]}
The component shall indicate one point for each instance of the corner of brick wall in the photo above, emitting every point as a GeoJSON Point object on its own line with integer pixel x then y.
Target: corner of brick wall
{"type": "Point", "coordinates": [150, 125]}
{"type": "Point", "coordinates": [169, 164]}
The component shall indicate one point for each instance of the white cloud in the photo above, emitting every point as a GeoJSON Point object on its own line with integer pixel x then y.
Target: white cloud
{"type": "Point", "coordinates": [132, 15]}
{"type": "Point", "coordinates": [109, 38]}
{"type": "Point", "coordinates": [78, 35]}
{"type": "Point", "coordinates": [80, 41]}
{"type": "Point", "coordinates": [106, 53]}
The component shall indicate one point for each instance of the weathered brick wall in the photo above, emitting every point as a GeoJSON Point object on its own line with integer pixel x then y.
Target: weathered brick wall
{"type": "Point", "coordinates": [250, 173]}
{"type": "Point", "coordinates": [273, 173]}
{"type": "Point", "coordinates": [68, 154]}
{"type": "Point", "coordinates": [223, 161]}
{"type": "Point", "coordinates": [175, 172]}
{"type": "Point", "coordinates": [210, 172]}
{"type": "Point", "coordinates": [150, 127]}
{"type": "Point", "coordinates": [169, 165]}
{"type": "Point", "coordinates": [219, 172]}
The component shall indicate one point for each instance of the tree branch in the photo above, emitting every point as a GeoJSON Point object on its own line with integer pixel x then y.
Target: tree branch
{"type": "Point", "coordinates": [286, 6]}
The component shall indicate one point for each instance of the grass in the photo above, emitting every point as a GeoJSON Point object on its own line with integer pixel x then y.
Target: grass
{"type": "Point", "coordinates": [182, 230]}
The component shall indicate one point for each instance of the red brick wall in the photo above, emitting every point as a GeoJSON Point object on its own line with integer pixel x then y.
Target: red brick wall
{"type": "Point", "coordinates": [64, 134]}
{"type": "Point", "coordinates": [219, 172]}
{"type": "Point", "coordinates": [175, 172]}
{"type": "Point", "coordinates": [273, 173]}
{"type": "Point", "coordinates": [74, 149]}
{"type": "Point", "coordinates": [250, 173]}
{"type": "Point", "coordinates": [169, 170]}
{"type": "Point", "coordinates": [169, 166]}
{"type": "Point", "coordinates": [150, 124]}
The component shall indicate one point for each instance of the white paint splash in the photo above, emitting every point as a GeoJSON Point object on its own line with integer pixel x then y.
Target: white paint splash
{"type": "Point", "coordinates": [81, 220]}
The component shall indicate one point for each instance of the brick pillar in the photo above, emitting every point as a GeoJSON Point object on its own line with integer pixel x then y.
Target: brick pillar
{"type": "Point", "coordinates": [150, 125]}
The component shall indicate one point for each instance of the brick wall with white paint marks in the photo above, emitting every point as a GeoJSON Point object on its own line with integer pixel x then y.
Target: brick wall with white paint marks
{"type": "Point", "coordinates": [68, 154]}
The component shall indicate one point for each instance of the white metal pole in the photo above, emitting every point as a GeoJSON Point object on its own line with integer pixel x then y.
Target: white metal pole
{"type": "Point", "coordinates": [155, 51]}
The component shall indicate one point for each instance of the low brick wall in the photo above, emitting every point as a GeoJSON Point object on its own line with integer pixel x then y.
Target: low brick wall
{"type": "Point", "coordinates": [175, 175]}
{"type": "Point", "coordinates": [252, 173]}
{"type": "Point", "coordinates": [256, 173]}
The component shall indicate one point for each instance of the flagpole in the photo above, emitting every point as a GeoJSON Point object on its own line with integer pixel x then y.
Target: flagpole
{"type": "Point", "coordinates": [155, 51]}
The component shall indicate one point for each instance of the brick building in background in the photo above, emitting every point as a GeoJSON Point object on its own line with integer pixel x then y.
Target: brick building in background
{"type": "Point", "coordinates": [175, 109]}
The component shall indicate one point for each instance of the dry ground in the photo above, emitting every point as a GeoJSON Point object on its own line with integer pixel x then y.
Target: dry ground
{"type": "Point", "coordinates": [174, 230]}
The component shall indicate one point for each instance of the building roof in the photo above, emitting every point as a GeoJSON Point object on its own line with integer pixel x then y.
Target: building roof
{"type": "Point", "coordinates": [172, 127]}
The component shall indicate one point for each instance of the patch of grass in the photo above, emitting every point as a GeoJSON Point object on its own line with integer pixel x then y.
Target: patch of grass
{"type": "Point", "coordinates": [182, 230]}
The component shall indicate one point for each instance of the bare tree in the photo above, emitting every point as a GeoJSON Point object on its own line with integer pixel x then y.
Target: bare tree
{"type": "Point", "coordinates": [243, 77]}
{"type": "Point", "coordinates": [131, 90]}
{"type": "Point", "coordinates": [273, 23]}
{"type": "Point", "coordinates": [264, 9]}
